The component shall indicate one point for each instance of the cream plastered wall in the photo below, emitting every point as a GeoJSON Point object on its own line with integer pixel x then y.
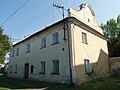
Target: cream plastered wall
{"type": "Point", "coordinates": [85, 15]}
{"type": "Point", "coordinates": [47, 54]}
{"type": "Point", "coordinates": [95, 50]}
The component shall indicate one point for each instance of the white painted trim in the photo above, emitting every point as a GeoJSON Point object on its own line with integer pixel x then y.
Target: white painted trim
{"type": "Point", "coordinates": [73, 54]}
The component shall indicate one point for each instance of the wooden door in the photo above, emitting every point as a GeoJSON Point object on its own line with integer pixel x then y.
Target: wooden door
{"type": "Point", "coordinates": [26, 71]}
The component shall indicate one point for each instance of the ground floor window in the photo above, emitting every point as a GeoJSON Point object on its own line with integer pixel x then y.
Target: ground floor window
{"type": "Point", "coordinates": [32, 67]}
{"type": "Point", "coordinates": [42, 67]}
{"type": "Point", "coordinates": [87, 66]}
{"type": "Point", "coordinates": [15, 69]}
{"type": "Point", "coordinates": [55, 66]}
{"type": "Point", "coordinates": [11, 68]}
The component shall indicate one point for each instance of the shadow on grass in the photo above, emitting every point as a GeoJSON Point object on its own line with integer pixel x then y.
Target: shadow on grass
{"type": "Point", "coordinates": [7, 83]}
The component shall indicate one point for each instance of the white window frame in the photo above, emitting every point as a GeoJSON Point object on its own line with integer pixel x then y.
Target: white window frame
{"type": "Point", "coordinates": [11, 68]}
{"type": "Point", "coordinates": [12, 53]}
{"type": "Point", "coordinates": [43, 42]}
{"type": "Point", "coordinates": [87, 66]}
{"type": "Point", "coordinates": [17, 51]}
{"type": "Point", "coordinates": [28, 48]}
{"type": "Point", "coordinates": [42, 67]}
{"type": "Point", "coordinates": [55, 66]}
{"type": "Point", "coordinates": [84, 37]}
{"type": "Point", "coordinates": [15, 71]}
{"type": "Point", "coordinates": [55, 38]}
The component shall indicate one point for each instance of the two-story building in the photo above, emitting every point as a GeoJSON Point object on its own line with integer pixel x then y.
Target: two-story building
{"type": "Point", "coordinates": [67, 51]}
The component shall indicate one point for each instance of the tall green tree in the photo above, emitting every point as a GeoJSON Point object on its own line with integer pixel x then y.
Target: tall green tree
{"type": "Point", "coordinates": [111, 31]}
{"type": "Point", "coordinates": [4, 45]}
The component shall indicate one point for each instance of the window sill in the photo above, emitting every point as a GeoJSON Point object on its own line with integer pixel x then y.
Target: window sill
{"type": "Point", "coordinates": [85, 43]}
{"type": "Point", "coordinates": [55, 73]}
{"type": "Point", "coordinates": [55, 43]}
{"type": "Point", "coordinates": [28, 52]}
{"type": "Point", "coordinates": [88, 73]}
{"type": "Point", "coordinates": [42, 47]}
{"type": "Point", "coordinates": [42, 73]}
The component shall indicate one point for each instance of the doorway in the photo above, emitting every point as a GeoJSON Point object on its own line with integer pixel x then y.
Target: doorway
{"type": "Point", "coordinates": [26, 71]}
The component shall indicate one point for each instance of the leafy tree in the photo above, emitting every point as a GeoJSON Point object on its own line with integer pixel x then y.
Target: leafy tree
{"type": "Point", "coordinates": [114, 47]}
{"type": "Point", "coordinates": [111, 31]}
{"type": "Point", "coordinates": [118, 25]}
{"type": "Point", "coordinates": [4, 45]}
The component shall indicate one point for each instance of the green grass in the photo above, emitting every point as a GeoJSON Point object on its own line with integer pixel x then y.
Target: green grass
{"type": "Point", "coordinates": [111, 83]}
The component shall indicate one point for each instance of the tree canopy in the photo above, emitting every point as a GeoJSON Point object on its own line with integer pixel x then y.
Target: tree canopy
{"type": "Point", "coordinates": [111, 31]}
{"type": "Point", "coordinates": [112, 28]}
{"type": "Point", "coordinates": [4, 45]}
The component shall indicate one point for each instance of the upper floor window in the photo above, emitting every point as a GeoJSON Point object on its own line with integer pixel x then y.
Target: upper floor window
{"type": "Point", "coordinates": [55, 66]}
{"type": "Point", "coordinates": [55, 38]}
{"type": "Point", "coordinates": [42, 67]}
{"type": "Point", "coordinates": [87, 66]}
{"type": "Point", "coordinates": [89, 20]}
{"type": "Point", "coordinates": [17, 51]}
{"type": "Point", "coordinates": [12, 53]}
{"type": "Point", "coordinates": [43, 42]}
{"type": "Point", "coordinates": [84, 37]}
{"type": "Point", "coordinates": [28, 48]}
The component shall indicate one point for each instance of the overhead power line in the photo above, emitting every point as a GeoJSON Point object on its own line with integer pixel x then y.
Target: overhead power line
{"type": "Point", "coordinates": [14, 13]}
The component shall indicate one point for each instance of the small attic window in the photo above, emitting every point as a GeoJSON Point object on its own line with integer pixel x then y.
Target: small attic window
{"type": "Point", "coordinates": [89, 20]}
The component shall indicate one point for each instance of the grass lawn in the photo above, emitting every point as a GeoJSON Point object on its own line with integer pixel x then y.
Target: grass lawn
{"type": "Point", "coordinates": [111, 83]}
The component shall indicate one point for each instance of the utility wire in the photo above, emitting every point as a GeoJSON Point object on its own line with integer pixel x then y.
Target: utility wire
{"type": "Point", "coordinates": [34, 18]}
{"type": "Point", "coordinates": [14, 13]}
{"type": "Point", "coordinates": [82, 44]}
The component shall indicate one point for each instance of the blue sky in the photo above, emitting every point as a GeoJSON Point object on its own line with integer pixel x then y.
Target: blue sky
{"type": "Point", "coordinates": [38, 14]}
